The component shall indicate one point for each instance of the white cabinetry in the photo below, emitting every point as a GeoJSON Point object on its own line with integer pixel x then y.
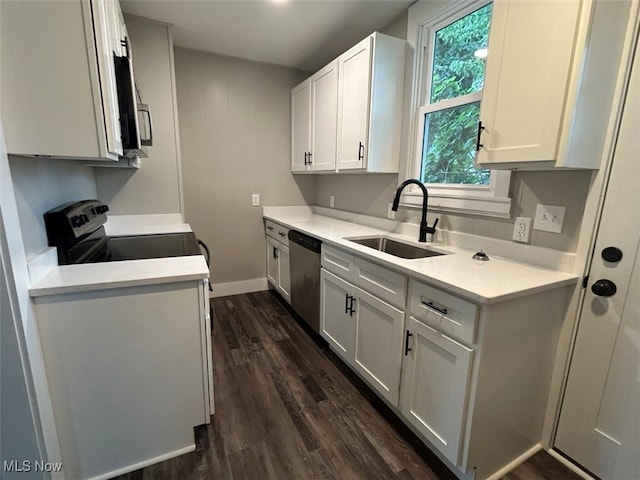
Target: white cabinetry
{"type": "Point", "coordinates": [314, 105]}
{"type": "Point", "coordinates": [549, 83]}
{"type": "Point", "coordinates": [278, 267]}
{"type": "Point", "coordinates": [471, 380]}
{"type": "Point", "coordinates": [300, 126]}
{"type": "Point", "coordinates": [363, 329]}
{"type": "Point", "coordinates": [59, 96]}
{"type": "Point", "coordinates": [118, 360]}
{"type": "Point", "coordinates": [436, 372]}
{"type": "Point", "coordinates": [350, 112]}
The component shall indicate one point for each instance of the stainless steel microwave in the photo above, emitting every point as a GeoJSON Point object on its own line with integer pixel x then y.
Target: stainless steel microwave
{"type": "Point", "coordinates": [135, 117]}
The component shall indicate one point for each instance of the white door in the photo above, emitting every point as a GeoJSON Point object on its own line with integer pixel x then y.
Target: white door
{"type": "Point", "coordinates": [300, 126]}
{"type": "Point", "coordinates": [336, 326]}
{"type": "Point", "coordinates": [435, 381]}
{"type": "Point", "coordinates": [354, 94]}
{"type": "Point", "coordinates": [599, 424]}
{"type": "Point", "coordinates": [272, 261]}
{"type": "Point", "coordinates": [284, 273]}
{"type": "Point", "coordinates": [378, 345]}
{"type": "Point", "coordinates": [324, 124]}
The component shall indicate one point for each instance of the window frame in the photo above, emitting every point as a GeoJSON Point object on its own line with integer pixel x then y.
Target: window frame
{"type": "Point", "coordinates": [425, 18]}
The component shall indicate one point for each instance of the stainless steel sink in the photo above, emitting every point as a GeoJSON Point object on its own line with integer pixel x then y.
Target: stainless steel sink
{"type": "Point", "coordinates": [393, 247]}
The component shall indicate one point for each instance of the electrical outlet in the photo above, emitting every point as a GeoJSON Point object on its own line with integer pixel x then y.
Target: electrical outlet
{"type": "Point", "coordinates": [390, 213]}
{"type": "Point", "coordinates": [522, 229]}
{"type": "Point", "coordinates": [549, 218]}
{"type": "Point", "coordinates": [255, 199]}
{"type": "Point", "coordinates": [332, 201]}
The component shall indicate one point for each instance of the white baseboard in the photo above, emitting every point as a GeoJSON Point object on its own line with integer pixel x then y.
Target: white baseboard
{"type": "Point", "coordinates": [146, 463]}
{"type": "Point", "coordinates": [570, 465]}
{"type": "Point", "coordinates": [242, 286]}
{"type": "Point", "coordinates": [513, 464]}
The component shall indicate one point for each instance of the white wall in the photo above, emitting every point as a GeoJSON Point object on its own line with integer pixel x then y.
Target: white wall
{"type": "Point", "coordinates": [156, 186]}
{"type": "Point", "coordinates": [41, 184]}
{"type": "Point", "coordinates": [235, 129]}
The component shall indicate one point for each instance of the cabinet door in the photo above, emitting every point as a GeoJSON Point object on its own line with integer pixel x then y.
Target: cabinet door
{"type": "Point", "coordinates": [354, 93]}
{"type": "Point", "coordinates": [531, 47]}
{"type": "Point", "coordinates": [435, 381]}
{"type": "Point", "coordinates": [336, 325]}
{"type": "Point", "coordinates": [284, 274]}
{"type": "Point", "coordinates": [378, 343]}
{"type": "Point", "coordinates": [300, 126]}
{"type": "Point", "coordinates": [272, 261]}
{"type": "Point", "coordinates": [324, 124]}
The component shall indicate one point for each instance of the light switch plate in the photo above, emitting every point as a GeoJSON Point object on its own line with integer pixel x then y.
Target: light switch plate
{"type": "Point", "coordinates": [255, 199]}
{"type": "Point", "coordinates": [390, 213]}
{"type": "Point", "coordinates": [549, 218]}
{"type": "Point", "coordinates": [332, 201]}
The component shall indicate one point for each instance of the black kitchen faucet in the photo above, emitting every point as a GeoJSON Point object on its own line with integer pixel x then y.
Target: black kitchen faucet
{"type": "Point", "coordinates": [424, 228]}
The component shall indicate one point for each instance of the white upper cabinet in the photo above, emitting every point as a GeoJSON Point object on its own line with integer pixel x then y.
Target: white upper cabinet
{"type": "Point", "coordinates": [59, 96]}
{"type": "Point", "coordinates": [550, 76]}
{"type": "Point", "coordinates": [354, 111]}
{"type": "Point", "coordinates": [301, 126]}
{"type": "Point", "coordinates": [355, 95]}
{"type": "Point", "coordinates": [324, 99]}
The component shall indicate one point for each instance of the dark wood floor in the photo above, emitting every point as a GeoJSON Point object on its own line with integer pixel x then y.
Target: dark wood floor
{"type": "Point", "coordinates": [287, 408]}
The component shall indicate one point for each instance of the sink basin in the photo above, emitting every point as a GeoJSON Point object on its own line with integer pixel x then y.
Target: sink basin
{"type": "Point", "coordinates": [395, 248]}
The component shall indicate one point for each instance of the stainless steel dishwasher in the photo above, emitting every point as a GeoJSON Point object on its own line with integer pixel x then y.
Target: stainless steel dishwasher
{"type": "Point", "coordinates": [304, 255]}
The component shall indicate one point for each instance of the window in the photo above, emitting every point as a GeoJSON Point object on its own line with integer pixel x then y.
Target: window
{"type": "Point", "coordinates": [449, 67]}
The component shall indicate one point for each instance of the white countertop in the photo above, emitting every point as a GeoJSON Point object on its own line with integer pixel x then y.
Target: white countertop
{"type": "Point", "coordinates": [52, 279]}
{"type": "Point", "coordinates": [127, 273]}
{"type": "Point", "coordinates": [482, 282]}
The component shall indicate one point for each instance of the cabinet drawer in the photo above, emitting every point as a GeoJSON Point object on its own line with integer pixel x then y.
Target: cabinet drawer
{"type": "Point", "coordinates": [449, 314]}
{"type": "Point", "coordinates": [383, 283]}
{"type": "Point", "coordinates": [277, 231]}
{"type": "Point", "coordinates": [339, 263]}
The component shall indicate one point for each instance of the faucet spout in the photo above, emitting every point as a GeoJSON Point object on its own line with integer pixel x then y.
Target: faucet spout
{"type": "Point", "coordinates": [424, 227]}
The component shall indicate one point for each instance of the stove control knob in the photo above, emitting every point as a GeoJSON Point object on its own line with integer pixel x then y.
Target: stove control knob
{"type": "Point", "coordinates": [76, 221]}
{"type": "Point", "coordinates": [84, 218]}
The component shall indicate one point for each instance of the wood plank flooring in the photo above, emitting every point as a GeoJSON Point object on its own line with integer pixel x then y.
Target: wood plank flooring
{"type": "Point", "coordinates": [287, 408]}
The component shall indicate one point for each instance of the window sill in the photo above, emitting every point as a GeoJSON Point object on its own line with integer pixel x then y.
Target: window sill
{"type": "Point", "coordinates": [487, 206]}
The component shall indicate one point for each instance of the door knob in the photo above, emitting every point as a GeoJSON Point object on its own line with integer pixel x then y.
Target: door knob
{"type": "Point", "coordinates": [604, 288]}
{"type": "Point", "coordinates": [612, 254]}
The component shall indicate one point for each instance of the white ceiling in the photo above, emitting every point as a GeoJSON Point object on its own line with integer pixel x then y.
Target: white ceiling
{"type": "Point", "coordinates": [304, 34]}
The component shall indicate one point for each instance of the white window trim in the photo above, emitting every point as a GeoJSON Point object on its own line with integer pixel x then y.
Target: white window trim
{"type": "Point", "coordinates": [488, 200]}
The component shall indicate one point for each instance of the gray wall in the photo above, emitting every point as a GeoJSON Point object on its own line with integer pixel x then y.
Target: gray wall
{"type": "Point", "coordinates": [235, 129]}
{"type": "Point", "coordinates": [370, 195]}
{"type": "Point", "coordinates": [155, 187]}
{"type": "Point", "coordinates": [41, 184]}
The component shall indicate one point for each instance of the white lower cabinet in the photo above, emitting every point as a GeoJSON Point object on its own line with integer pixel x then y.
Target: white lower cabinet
{"type": "Point", "coordinates": [472, 381]}
{"type": "Point", "coordinates": [435, 382]}
{"type": "Point", "coordinates": [336, 325]}
{"type": "Point", "coordinates": [378, 343]}
{"type": "Point", "coordinates": [363, 329]}
{"type": "Point", "coordinates": [278, 267]}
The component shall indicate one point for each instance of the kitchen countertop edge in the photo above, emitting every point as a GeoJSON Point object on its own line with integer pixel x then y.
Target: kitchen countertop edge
{"type": "Point", "coordinates": [552, 278]}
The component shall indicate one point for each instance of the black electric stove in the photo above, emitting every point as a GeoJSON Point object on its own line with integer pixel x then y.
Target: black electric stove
{"type": "Point", "coordinates": [76, 230]}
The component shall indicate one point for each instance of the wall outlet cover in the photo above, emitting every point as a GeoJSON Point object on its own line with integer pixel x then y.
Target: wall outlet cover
{"type": "Point", "coordinates": [332, 201]}
{"type": "Point", "coordinates": [522, 229]}
{"type": "Point", "coordinates": [549, 218]}
{"type": "Point", "coordinates": [255, 199]}
{"type": "Point", "coordinates": [390, 213]}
